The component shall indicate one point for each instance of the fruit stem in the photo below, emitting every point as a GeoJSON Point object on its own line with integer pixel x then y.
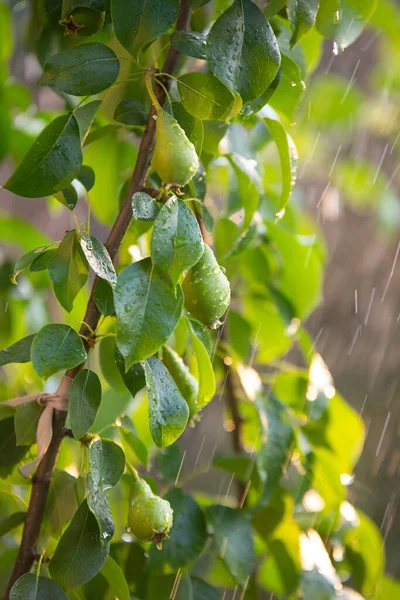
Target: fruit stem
{"type": "Point", "coordinates": [150, 91]}
{"type": "Point", "coordinates": [133, 471]}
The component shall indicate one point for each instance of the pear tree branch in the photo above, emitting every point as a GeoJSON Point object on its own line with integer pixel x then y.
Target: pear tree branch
{"type": "Point", "coordinates": [41, 480]}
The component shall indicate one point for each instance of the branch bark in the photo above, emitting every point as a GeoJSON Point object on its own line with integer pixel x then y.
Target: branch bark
{"type": "Point", "coordinates": [41, 481]}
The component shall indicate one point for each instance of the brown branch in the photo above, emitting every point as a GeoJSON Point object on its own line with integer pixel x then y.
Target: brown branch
{"type": "Point", "coordinates": [41, 481]}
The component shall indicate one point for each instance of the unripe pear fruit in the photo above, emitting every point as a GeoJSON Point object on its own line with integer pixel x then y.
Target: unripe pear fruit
{"type": "Point", "coordinates": [186, 382]}
{"type": "Point", "coordinates": [207, 290]}
{"type": "Point", "coordinates": [83, 21]}
{"type": "Point", "coordinates": [174, 158]}
{"type": "Point", "coordinates": [150, 517]}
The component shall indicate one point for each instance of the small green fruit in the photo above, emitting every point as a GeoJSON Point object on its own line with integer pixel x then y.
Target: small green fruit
{"type": "Point", "coordinates": [207, 290]}
{"type": "Point", "coordinates": [186, 382]}
{"type": "Point", "coordinates": [174, 158]}
{"type": "Point", "coordinates": [83, 21]}
{"type": "Point", "coordinates": [150, 517]}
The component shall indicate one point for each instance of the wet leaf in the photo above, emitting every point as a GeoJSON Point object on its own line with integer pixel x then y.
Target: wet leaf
{"type": "Point", "coordinates": [98, 258]}
{"type": "Point", "coordinates": [131, 112]}
{"type": "Point", "coordinates": [84, 401]}
{"type": "Point", "coordinates": [168, 411]}
{"type": "Point", "coordinates": [145, 208]}
{"type": "Point", "coordinates": [242, 50]}
{"type": "Point", "coordinates": [103, 297]}
{"type": "Point", "coordinates": [20, 352]}
{"type": "Point", "coordinates": [302, 15]}
{"type": "Point", "coordinates": [288, 156]}
{"type": "Point", "coordinates": [234, 538]}
{"type": "Point", "coordinates": [85, 116]}
{"type": "Point", "coordinates": [30, 587]}
{"type": "Point", "coordinates": [68, 270]}
{"type": "Point", "coordinates": [55, 348]}
{"type": "Point", "coordinates": [80, 553]}
{"type": "Point", "coordinates": [344, 21]}
{"type": "Point", "coordinates": [51, 163]}
{"type": "Point", "coordinates": [176, 242]}
{"type": "Point", "coordinates": [190, 43]}
{"type": "Point", "coordinates": [137, 23]}
{"type": "Point", "coordinates": [148, 310]}
{"type": "Point", "coordinates": [204, 96]}
{"type": "Point", "coordinates": [81, 71]}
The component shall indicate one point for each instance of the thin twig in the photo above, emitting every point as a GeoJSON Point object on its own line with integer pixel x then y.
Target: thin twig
{"type": "Point", "coordinates": [41, 481]}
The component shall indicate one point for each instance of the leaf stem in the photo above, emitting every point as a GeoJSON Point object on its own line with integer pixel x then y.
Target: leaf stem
{"type": "Point", "coordinates": [132, 470]}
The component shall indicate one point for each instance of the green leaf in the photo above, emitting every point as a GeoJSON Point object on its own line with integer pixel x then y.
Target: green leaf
{"type": "Point", "coordinates": [190, 43]}
{"type": "Point", "coordinates": [133, 441]}
{"type": "Point", "coordinates": [388, 588]}
{"type": "Point", "coordinates": [365, 553]}
{"type": "Point", "coordinates": [148, 310]}
{"type": "Point", "coordinates": [104, 298]}
{"type": "Point", "coordinates": [81, 71]}
{"type": "Point", "coordinates": [176, 242]}
{"type": "Point", "coordinates": [280, 570]}
{"type": "Point", "coordinates": [242, 50]}
{"type": "Point", "coordinates": [248, 183]}
{"type": "Point", "coordinates": [55, 348]}
{"type": "Point", "coordinates": [110, 460]}
{"type": "Point", "coordinates": [80, 553]}
{"type": "Point", "coordinates": [137, 23]}
{"type": "Point", "coordinates": [168, 462]}
{"type": "Point", "coordinates": [273, 7]}
{"type": "Point", "coordinates": [234, 538]}
{"type": "Point", "coordinates": [11, 522]}
{"type": "Point", "coordinates": [68, 197]}
{"type": "Point", "coordinates": [131, 112]}
{"type": "Point", "coordinates": [188, 535]}
{"type": "Point", "coordinates": [276, 440]}
{"type": "Point", "coordinates": [10, 453]}
{"type": "Point", "coordinates": [115, 578]}
{"type": "Point", "coordinates": [84, 401]}
{"type": "Point", "coordinates": [302, 15]}
{"type": "Point", "coordinates": [61, 503]}
{"type": "Point", "coordinates": [25, 422]}
{"type": "Point", "coordinates": [26, 260]}
{"type": "Point", "coordinates": [41, 263]}
{"type": "Point", "coordinates": [289, 90]}
{"type": "Point", "coordinates": [30, 587]}
{"type": "Point", "coordinates": [301, 274]}
{"type": "Point", "coordinates": [133, 378]}
{"type": "Point", "coordinates": [97, 498]}
{"type": "Point", "coordinates": [144, 207]}
{"type": "Point", "coordinates": [288, 156]}
{"type": "Point", "coordinates": [51, 163]}
{"type": "Point", "coordinates": [205, 373]}
{"type": "Point", "coordinates": [344, 20]}
{"type": "Point", "coordinates": [203, 591]}
{"type": "Point", "coordinates": [68, 270]}
{"type": "Point", "coordinates": [20, 352]}
{"type": "Point", "coordinates": [86, 177]}
{"type": "Point", "coordinates": [85, 116]}
{"type": "Point", "coordinates": [339, 429]}
{"type": "Point", "coordinates": [192, 126]}
{"type": "Point", "coordinates": [168, 411]}
{"type": "Point", "coordinates": [239, 335]}
{"type": "Point", "coordinates": [206, 97]}
{"type": "Point", "coordinates": [98, 258]}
